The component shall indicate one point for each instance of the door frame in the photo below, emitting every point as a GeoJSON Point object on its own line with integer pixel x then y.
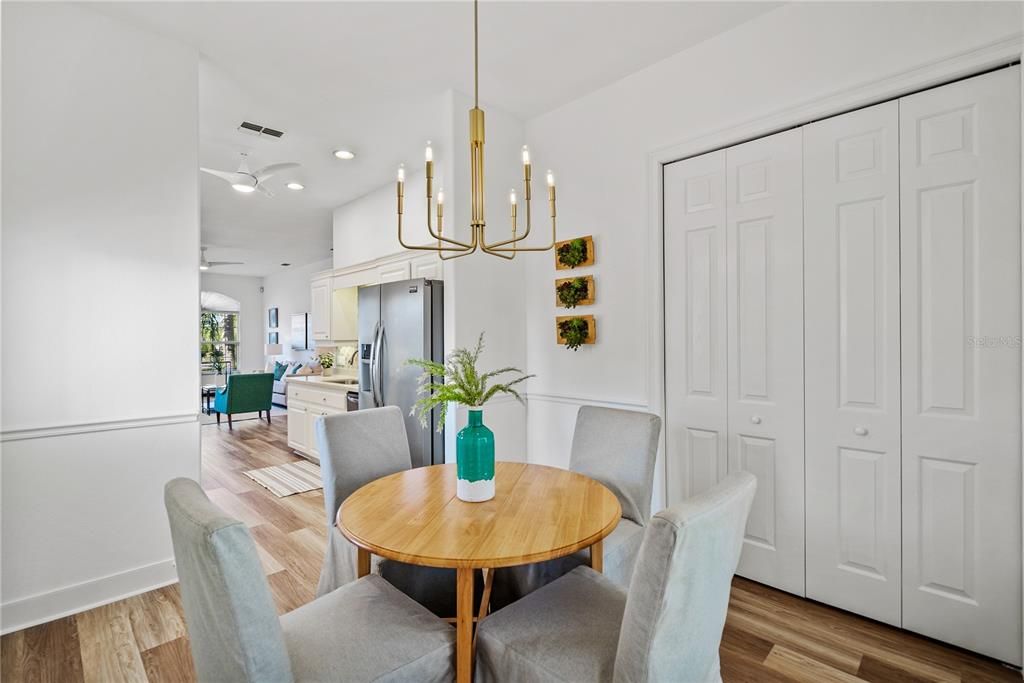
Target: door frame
{"type": "Point", "coordinates": [993, 55]}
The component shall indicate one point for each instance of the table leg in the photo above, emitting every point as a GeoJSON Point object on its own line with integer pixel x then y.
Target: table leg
{"type": "Point", "coordinates": [464, 625]}
{"type": "Point", "coordinates": [362, 563]}
{"type": "Point", "coordinates": [597, 556]}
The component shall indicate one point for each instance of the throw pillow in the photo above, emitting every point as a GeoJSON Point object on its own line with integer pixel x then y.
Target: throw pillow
{"type": "Point", "coordinates": [279, 370]}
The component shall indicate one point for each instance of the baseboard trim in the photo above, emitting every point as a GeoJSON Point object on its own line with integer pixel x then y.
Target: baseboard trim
{"type": "Point", "coordinates": [44, 607]}
{"type": "Point", "coordinates": [582, 400]}
{"type": "Point", "coordinates": [48, 431]}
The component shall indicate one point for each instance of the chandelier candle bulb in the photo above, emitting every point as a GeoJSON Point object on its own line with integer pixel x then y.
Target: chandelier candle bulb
{"type": "Point", "coordinates": [401, 174]}
{"type": "Point", "coordinates": [526, 155]}
{"type": "Point", "coordinates": [512, 201]}
{"type": "Point", "coordinates": [429, 154]}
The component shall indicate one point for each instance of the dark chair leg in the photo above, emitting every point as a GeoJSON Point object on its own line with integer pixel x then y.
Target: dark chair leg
{"type": "Point", "coordinates": [268, 417]}
{"type": "Point", "coordinates": [218, 418]}
{"type": "Point", "coordinates": [229, 421]}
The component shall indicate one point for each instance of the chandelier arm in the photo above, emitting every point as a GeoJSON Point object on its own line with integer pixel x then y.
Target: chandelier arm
{"type": "Point", "coordinates": [514, 240]}
{"type": "Point", "coordinates": [461, 253]}
{"type": "Point", "coordinates": [491, 249]}
{"type": "Point", "coordinates": [468, 249]}
{"type": "Point", "coordinates": [437, 235]}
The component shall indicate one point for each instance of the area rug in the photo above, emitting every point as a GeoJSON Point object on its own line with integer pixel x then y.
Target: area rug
{"type": "Point", "coordinates": [287, 480]}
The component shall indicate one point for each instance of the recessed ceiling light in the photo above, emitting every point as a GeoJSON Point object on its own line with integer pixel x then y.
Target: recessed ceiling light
{"type": "Point", "coordinates": [285, 264]}
{"type": "Point", "coordinates": [296, 186]}
{"type": "Point", "coordinates": [345, 154]}
{"type": "Point", "coordinates": [244, 188]}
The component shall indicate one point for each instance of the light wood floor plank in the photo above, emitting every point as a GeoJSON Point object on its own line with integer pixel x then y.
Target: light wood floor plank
{"type": "Point", "coordinates": [109, 651]}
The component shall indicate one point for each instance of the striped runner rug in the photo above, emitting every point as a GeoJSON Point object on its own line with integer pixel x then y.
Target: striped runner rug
{"type": "Point", "coordinates": [289, 479]}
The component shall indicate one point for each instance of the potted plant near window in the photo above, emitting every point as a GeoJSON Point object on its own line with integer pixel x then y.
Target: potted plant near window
{"type": "Point", "coordinates": [458, 380]}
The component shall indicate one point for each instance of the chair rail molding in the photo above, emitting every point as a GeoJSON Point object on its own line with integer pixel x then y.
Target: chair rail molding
{"type": "Point", "coordinates": [67, 429]}
{"type": "Point", "coordinates": [584, 401]}
{"type": "Point", "coordinates": [994, 54]}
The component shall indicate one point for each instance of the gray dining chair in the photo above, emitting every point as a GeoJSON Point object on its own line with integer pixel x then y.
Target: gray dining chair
{"type": "Point", "coordinates": [355, 449]}
{"type": "Point", "coordinates": [617, 448]}
{"type": "Point", "coordinates": [667, 627]}
{"type": "Point", "coordinates": [366, 630]}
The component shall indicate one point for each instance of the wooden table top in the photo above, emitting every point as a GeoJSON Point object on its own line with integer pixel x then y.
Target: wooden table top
{"type": "Point", "coordinates": [538, 513]}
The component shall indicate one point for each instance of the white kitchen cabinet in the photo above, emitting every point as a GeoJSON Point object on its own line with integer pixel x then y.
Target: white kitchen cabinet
{"type": "Point", "coordinates": [393, 272]}
{"type": "Point", "coordinates": [309, 399]}
{"type": "Point", "coordinates": [320, 298]}
{"type": "Point", "coordinates": [427, 267]}
{"type": "Point", "coordinates": [298, 433]}
{"type": "Point", "coordinates": [345, 314]}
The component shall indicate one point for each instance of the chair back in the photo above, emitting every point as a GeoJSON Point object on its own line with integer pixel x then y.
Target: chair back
{"type": "Point", "coordinates": [618, 448]}
{"type": "Point", "coordinates": [358, 447]}
{"type": "Point", "coordinates": [250, 392]}
{"type": "Point", "coordinates": [234, 632]}
{"type": "Point", "coordinates": [679, 593]}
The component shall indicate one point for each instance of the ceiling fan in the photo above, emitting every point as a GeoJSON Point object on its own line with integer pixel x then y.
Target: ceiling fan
{"type": "Point", "coordinates": [206, 265]}
{"type": "Point", "coordinates": [246, 181]}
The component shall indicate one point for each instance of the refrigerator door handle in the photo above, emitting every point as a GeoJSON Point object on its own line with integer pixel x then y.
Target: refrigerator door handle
{"type": "Point", "coordinates": [373, 364]}
{"type": "Point", "coordinates": [376, 379]}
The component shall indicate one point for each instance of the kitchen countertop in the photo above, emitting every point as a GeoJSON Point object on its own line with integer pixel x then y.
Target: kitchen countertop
{"type": "Point", "coordinates": [340, 383]}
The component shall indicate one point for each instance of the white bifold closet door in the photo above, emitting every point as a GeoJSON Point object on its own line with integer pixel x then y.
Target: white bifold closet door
{"type": "Point", "coordinates": [852, 336]}
{"type": "Point", "coordinates": [961, 324]}
{"type": "Point", "coordinates": [695, 324]}
{"type": "Point", "coordinates": [764, 306]}
{"type": "Point", "coordinates": [734, 340]}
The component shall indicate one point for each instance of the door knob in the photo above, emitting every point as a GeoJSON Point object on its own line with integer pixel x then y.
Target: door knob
{"type": "Point", "coordinates": [756, 419]}
{"type": "Point", "coordinates": [860, 431]}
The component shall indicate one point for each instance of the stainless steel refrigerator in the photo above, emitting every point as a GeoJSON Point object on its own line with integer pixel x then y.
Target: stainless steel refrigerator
{"type": "Point", "coordinates": [398, 321]}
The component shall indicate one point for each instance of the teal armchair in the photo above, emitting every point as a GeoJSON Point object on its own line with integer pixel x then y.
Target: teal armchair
{"type": "Point", "coordinates": [245, 394]}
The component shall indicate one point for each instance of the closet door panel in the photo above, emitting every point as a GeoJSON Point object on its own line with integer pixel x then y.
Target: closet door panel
{"type": "Point", "coordinates": [695, 329]}
{"type": "Point", "coordinates": [764, 270]}
{"type": "Point", "coordinates": [852, 320]}
{"type": "Point", "coordinates": [961, 285]}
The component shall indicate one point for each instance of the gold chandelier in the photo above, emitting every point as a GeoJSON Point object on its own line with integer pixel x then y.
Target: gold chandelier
{"type": "Point", "coordinates": [448, 248]}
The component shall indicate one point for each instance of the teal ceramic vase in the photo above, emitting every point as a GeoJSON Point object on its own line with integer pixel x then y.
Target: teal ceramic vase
{"type": "Point", "coordinates": [474, 450]}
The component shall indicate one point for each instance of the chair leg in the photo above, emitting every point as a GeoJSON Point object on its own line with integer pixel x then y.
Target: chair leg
{"type": "Point", "coordinates": [229, 421]}
{"type": "Point", "coordinates": [268, 417]}
{"type": "Point", "coordinates": [218, 417]}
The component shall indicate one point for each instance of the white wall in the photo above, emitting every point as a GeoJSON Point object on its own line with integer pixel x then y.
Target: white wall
{"type": "Point", "coordinates": [252, 318]}
{"type": "Point", "coordinates": [598, 147]}
{"type": "Point", "coordinates": [100, 291]}
{"type": "Point", "coordinates": [288, 291]}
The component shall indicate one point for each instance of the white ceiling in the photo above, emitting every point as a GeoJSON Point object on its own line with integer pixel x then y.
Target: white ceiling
{"type": "Point", "coordinates": [369, 75]}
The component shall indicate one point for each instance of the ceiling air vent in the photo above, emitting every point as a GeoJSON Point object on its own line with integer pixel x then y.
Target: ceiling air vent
{"type": "Point", "coordinates": [256, 129]}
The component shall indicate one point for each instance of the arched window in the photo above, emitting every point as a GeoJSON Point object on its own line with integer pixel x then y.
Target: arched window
{"type": "Point", "coordinates": [218, 333]}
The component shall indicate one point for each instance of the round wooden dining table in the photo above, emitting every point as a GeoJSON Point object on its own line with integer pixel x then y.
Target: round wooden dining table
{"type": "Point", "coordinates": [538, 513]}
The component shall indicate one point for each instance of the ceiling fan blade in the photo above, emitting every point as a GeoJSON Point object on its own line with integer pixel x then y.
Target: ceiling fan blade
{"type": "Point", "coordinates": [267, 171]}
{"type": "Point", "coordinates": [229, 176]}
{"type": "Point", "coordinates": [225, 263]}
{"type": "Point", "coordinates": [262, 188]}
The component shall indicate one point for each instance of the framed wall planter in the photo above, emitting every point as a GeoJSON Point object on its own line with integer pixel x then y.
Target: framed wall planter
{"type": "Point", "coordinates": [571, 292]}
{"type": "Point", "coordinates": [572, 331]}
{"type": "Point", "coordinates": [575, 253]}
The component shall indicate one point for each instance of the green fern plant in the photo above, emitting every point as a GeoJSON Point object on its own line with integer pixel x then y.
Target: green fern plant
{"type": "Point", "coordinates": [460, 382]}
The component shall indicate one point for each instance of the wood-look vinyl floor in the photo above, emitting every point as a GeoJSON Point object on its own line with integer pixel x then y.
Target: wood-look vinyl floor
{"type": "Point", "coordinates": [769, 636]}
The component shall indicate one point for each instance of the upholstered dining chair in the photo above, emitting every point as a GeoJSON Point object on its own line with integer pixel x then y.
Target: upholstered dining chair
{"type": "Point", "coordinates": [617, 448]}
{"type": "Point", "coordinates": [356, 448]}
{"type": "Point", "coordinates": [366, 630]}
{"type": "Point", "coordinates": [667, 627]}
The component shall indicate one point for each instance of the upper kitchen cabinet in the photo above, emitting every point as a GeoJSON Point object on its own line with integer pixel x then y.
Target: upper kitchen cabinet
{"type": "Point", "coordinates": [320, 291]}
{"type": "Point", "coordinates": [344, 311]}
